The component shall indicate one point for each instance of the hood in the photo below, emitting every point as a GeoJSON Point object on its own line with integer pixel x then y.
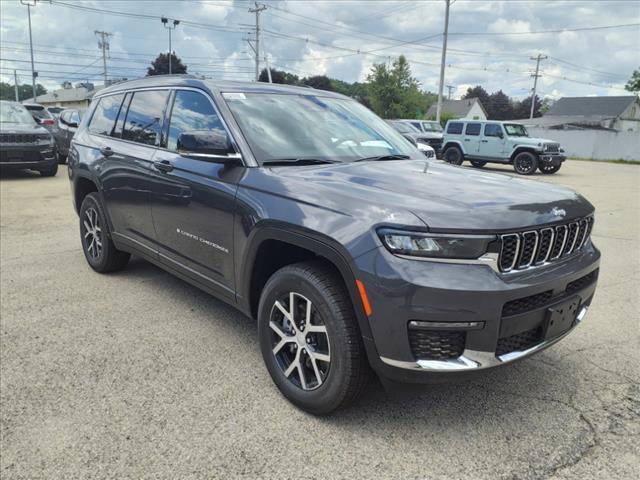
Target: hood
{"type": "Point", "coordinates": [437, 135]}
{"type": "Point", "coordinates": [531, 140]}
{"type": "Point", "coordinates": [22, 128]}
{"type": "Point", "coordinates": [444, 197]}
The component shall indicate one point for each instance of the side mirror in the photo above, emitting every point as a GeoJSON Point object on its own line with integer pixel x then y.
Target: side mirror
{"type": "Point", "coordinates": [211, 145]}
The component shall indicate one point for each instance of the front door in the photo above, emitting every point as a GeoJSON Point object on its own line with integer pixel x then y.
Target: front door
{"type": "Point", "coordinates": [492, 143]}
{"type": "Point", "coordinates": [193, 201]}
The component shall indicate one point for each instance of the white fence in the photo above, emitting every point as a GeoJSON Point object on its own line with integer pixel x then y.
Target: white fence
{"type": "Point", "coordinates": [595, 144]}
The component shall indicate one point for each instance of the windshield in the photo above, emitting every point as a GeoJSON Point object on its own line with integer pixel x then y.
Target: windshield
{"type": "Point", "coordinates": [515, 130]}
{"type": "Point", "coordinates": [38, 111]}
{"type": "Point", "coordinates": [431, 127]}
{"type": "Point", "coordinates": [404, 127]}
{"type": "Point", "coordinates": [14, 113]}
{"type": "Point", "coordinates": [291, 127]}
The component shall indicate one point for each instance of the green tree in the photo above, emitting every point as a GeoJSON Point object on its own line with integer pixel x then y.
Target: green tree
{"type": "Point", "coordinates": [523, 108]}
{"type": "Point", "coordinates": [160, 66]}
{"type": "Point", "coordinates": [395, 93]}
{"type": "Point", "coordinates": [481, 94]}
{"type": "Point", "coordinates": [499, 106]}
{"type": "Point", "coordinates": [633, 85]}
{"type": "Point", "coordinates": [321, 82]}
{"type": "Point", "coordinates": [7, 91]}
{"type": "Point", "coordinates": [279, 76]}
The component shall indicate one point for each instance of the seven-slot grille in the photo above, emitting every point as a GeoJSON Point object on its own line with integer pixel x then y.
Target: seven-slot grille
{"type": "Point", "coordinates": [536, 247]}
{"type": "Point", "coordinates": [18, 137]}
{"type": "Point", "coordinates": [552, 148]}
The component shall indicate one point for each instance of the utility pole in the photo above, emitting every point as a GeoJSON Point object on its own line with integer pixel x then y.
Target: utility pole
{"type": "Point", "coordinates": [15, 80]}
{"type": "Point", "coordinates": [34, 74]}
{"type": "Point", "coordinates": [165, 22]}
{"type": "Point", "coordinates": [535, 81]}
{"type": "Point", "coordinates": [257, 10]}
{"type": "Point", "coordinates": [443, 61]}
{"type": "Point", "coordinates": [103, 43]}
{"type": "Point", "coordinates": [450, 87]}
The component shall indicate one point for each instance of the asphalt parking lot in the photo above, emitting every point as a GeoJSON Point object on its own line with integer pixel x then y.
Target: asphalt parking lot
{"type": "Point", "coordinates": [139, 375]}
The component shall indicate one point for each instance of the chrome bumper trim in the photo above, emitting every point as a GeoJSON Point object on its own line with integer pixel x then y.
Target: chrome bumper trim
{"type": "Point", "coordinates": [478, 360]}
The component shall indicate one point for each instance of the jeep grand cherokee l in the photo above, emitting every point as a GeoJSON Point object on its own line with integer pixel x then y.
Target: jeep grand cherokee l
{"type": "Point", "coordinates": [23, 143]}
{"type": "Point", "coordinates": [309, 213]}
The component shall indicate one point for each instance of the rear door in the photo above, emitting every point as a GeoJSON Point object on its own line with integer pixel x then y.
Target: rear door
{"type": "Point", "coordinates": [472, 138]}
{"type": "Point", "coordinates": [193, 201]}
{"type": "Point", "coordinates": [492, 143]}
{"type": "Point", "coordinates": [127, 143]}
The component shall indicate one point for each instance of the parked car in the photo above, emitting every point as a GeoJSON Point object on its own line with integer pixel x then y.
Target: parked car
{"type": "Point", "coordinates": [41, 115]}
{"type": "Point", "coordinates": [414, 136]}
{"type": "Point", "coordinates": [480, 142]}
{"type": "Point", "coordinates": [25, 144]}
{"type": "Point", "coordinates": [55, 111]}
{"type": "Point", "coordinates": [431, 131]}
{"type": "Point", "coordinates": [64, 129]}
{"type": "Point", "coordinates": [307, 212]}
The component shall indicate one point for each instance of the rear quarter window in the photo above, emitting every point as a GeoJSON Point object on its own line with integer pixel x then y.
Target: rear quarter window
{"type": "Point", "coordinates": [455, 128]}
{"type": "Point", "coordinates": [105, 114]}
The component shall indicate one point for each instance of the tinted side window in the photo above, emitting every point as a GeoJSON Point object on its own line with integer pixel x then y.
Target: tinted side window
{"type": "Point", "coordinates": [191, 111]}
{"type": "Point", "coordinates": [417, 125]}
{"type": "Point", "coordinates": [105, 114]}
{"type": "Point", "coordinates": [144, 118]}
{"type": "Point", "coordinates": [492, 130]}
{"type": "Point", "coordinates": [455, 128]}
{"type": "Point", "coordinates": [472, 129]}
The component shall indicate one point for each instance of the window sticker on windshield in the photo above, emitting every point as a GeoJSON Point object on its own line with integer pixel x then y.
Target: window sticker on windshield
{"type": "Point", "coordinates": [234, 96]}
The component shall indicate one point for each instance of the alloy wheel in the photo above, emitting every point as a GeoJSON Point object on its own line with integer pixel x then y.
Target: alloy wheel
{"type": "Point", "coordinates": [299, 341]}
{"type": "Point", "coordinates": [92, 234]}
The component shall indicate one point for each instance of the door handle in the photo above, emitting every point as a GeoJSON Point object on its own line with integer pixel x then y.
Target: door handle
{"type": "Point", "coordinates": [106, 151]}
{"type": "Point", "coordinates": [484, 141]}
{"type": "Point", "coordinates": [164, 166]}
{"type": "Point", "coordinates": [467, 140]}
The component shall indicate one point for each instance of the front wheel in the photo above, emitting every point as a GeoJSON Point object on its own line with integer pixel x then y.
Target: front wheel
{"type": "Point", "coordinates": [549, 169]}
{"type": "Point", "coordinates": [453, 155]}
{"type": "Point", "coordinates": [309, 338]}
{"type": "Point", "coordinates": [50, 171]}
{"type": "Point", "coordinates": [525, 163]}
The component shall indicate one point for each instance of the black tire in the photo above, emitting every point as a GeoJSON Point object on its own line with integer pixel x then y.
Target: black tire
{"type": "Point", "coordinates": [103, 257]}
{"type": "Point", "coordinates": [62, 159]}
{"type": "Point", "coordinates": [525, 163]}
{"type": "Point", "coordinates": [548, 169]}
{"type": "Point", "coordinates": [51, 171]}
{"type": "Point", "coordinates": [478, 163]}
{"type": "Point", "coordinates": [346, 374]}
{"type": "Point", "coordinates": [453, 155]}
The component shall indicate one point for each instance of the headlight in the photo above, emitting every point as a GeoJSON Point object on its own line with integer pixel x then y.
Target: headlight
{"type": "Point", "coordinates": [435, 245]}
{"type": "Point", "coordinates": [422, 146]}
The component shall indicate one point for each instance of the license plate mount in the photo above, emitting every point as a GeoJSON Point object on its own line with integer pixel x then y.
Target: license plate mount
{"type": "Point", "coordinates": [561, 317]}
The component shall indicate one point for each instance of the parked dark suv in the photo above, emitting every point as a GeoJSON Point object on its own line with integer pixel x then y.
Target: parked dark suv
{"type": "Point", "coordinates": [309, 213]}
{"type": "Point", "coordinates": [23, 143]}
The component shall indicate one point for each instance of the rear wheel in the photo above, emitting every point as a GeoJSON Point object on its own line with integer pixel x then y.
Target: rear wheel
{"type": "Point", "coordinates": [309, 338]}
{"type": "Point", "coordinates": [50, 171]}
{"type": "Point", "coordinates": [99, 250]}
{"type": "Point", "coordinates": [453, 155]}
{"type": "Point", "coordinates": [478, 163]}
{"type": "Point", "coordinates": [549, 169]}
{"type": "Point", "coordinates": [525, 163]}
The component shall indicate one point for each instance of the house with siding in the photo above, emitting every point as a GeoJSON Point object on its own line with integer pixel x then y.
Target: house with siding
{"type": "Point", "coordinates": [467, 108]}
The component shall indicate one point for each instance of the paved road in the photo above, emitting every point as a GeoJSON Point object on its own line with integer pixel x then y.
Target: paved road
{"type": "Point", "coordinates": [139, 375]}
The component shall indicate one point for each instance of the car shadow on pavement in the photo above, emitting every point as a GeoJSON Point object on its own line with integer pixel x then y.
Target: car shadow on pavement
{"type": "Point", "coordinates": [18, 174]}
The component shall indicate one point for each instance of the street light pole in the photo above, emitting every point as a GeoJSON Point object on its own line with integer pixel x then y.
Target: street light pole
{"type": "Point", "coordinates": [175, 23]}
{"type": "Point", "coordinates": [29, 4]}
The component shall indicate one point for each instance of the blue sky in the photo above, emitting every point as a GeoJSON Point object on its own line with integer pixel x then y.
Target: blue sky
{"type": "Point", "coordinates": [490, 44]}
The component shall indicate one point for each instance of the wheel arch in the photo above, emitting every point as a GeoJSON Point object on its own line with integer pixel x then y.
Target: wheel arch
{"type": "Point", "coordinates": [521, 149]}
{"type": "Point", "coordinates": [268, 242]}
{"type": "Point", "coordinates": [453, 143]}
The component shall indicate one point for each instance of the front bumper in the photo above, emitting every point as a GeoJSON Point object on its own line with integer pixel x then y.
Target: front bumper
{"type": "Point", "coordinates": [403, 293]}
{"type": "Point", "coordinates": [23, 156]}
{"type": "Point", "coordinates": [553, 159]}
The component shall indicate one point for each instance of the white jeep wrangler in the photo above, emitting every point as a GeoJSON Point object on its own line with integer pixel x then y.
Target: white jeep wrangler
{"type": "Point", "coordinates": [499, 142]}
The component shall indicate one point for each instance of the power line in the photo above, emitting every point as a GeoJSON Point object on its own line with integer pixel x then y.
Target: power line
{"type": "Point", "coordinates": [540, 32]}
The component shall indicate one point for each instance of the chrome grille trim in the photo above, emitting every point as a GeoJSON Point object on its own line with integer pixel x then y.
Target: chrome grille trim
{"type": "Point", "coordinates": [564, 239]}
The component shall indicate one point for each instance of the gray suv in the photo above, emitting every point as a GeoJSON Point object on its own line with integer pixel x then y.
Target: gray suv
{"type": "Point", "coordinates": [480, 142]}
{"type": "Point", "coordinates": [352, 251]}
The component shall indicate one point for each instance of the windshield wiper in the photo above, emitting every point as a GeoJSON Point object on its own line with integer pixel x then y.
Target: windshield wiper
{"type": "Point", "coordinates": [383, 158]}
{"type": "Point", "coordinates": [298, 161]}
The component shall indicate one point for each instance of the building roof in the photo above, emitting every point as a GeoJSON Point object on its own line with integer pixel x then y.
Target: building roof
{"type": "Point", "coordinates": [62, 95]}
{"type": "Point", "coordinates": [550, 121]}
{"type": "Point", "coordinates": [591, 106]}
{"type": "Point", "coordinates": [459, 108]}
